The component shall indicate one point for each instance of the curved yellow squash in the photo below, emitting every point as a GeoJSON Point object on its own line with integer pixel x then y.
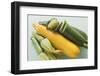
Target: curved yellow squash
{"type": "Point", "coordinates": [58, 41]}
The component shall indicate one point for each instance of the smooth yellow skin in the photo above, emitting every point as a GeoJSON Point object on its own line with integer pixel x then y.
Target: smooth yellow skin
{"type": "Point", "coordinates": [58, 41]}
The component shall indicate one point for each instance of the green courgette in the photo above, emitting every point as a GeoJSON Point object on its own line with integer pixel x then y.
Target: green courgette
{"type": "Point", "coordinates": [81, 32]}
{"type": "Point", "coordinates": [37, 37]}
{"type": "Point", "coordinates": [41, 54]}
{"type": "Point", "coordinates": [43, 47]}
{"type": "Point", "coordinates": [73, 35]}
{"type": "Point", "coordinates": [36, 45]}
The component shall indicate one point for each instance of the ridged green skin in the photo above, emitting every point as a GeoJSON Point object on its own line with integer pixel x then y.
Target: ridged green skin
{"type": "Point", "coordinates": [36, 45]}
{"type": "Point", "coordinates": [81, 32]}
{"type": "Point", "coordinates": [73, 35]}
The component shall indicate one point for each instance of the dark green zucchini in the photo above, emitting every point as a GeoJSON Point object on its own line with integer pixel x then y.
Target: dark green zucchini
{"type": "Point", "coordinates": [81, 32]}
{"type": "Point", "coordinates": [73, 35]}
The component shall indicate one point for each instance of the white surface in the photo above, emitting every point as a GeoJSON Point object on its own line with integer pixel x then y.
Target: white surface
{"type": "Point", "coordinates": [5, 38]}
{"type": "Point", "coordinates": [24, 11]}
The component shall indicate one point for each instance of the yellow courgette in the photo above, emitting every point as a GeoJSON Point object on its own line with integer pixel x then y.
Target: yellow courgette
{"type": "Point", "coordinates": [58, 41]}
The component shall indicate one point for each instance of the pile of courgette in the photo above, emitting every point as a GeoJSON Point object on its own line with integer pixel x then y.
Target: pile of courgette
{"type": "Point", "coordinates": [72, 33]}
{"type": "Point", "coordinates": [54, 38]}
